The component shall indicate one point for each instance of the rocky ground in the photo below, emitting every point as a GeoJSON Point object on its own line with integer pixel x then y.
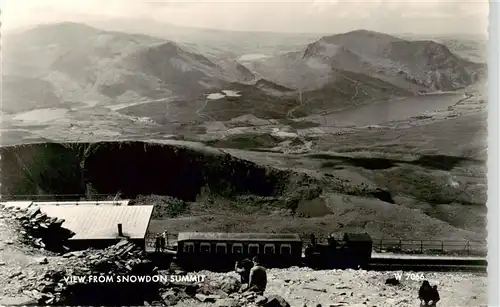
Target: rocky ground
{"type": "Point", "coordinates": [302, 286]}
{"type": "Point", "coordinates": [351, 287]}
{"type": "Point", "coordinates": [31, 275]}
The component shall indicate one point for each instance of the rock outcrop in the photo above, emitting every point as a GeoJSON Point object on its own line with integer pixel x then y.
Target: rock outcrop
{"type": "Point", "coordinates": [65, 168]}
{"type": "Point", "coordinates": [40, 230]}
{"type": "Point", "coordinates": [220, 290]}
{"type": "Point", "coordinates": [92, 277]}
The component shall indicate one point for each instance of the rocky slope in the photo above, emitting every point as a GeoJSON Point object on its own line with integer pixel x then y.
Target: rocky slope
{"type": "Point", "coordinates": [414, 65]}
{"type": "Point", "coordinates": [70, 64]}
{"type": "Point", "coordinates": [471, 47]}
{"type": "Point", "coordinates": [225, 193]}
{"type": "Point", "coordinates": [74, 62]}
{"type": "Point", "coordinates": [68, 168]}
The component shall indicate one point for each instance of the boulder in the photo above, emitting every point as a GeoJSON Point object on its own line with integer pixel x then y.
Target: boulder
{"type": "Point", "coordinates": [15, 274]}
{"type": "Point", "coordinates": [55, 290]}
{"type": "Point", "coordinates": [18, 301]}
{"type": "Point", "coordinates": [41, 230]}
{"type": "Point", "coordinates": [260, 300]}
{"type": "Point", "coordinates": [276, 301]}
{"type": "Point", "coordinates": [170, 298]}
{"type": "Point", "coordinates": [205, 298]}
{"type": "Point", "coordinates": [230, 285]}
{"type": "Point", "coordinates": [227, 302]}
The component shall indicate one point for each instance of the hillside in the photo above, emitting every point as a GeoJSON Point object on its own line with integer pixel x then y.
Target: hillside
{"type": "Point", "coordinates": [339, 136]}
{"type": "Point", "coordinates": [222, 43]}
{"type": "Point", "coordinates": [74, 62]}
{"type": "Point", "coordinates": [414, 65]}
{"type": "Point", "coordinates": [471, 47]}
{"type": "Point", "coordinates": [263, 99]}
{"type": "Point", "coordinates": [69, 64]}
{"type": "Point", "coordinates": [218, 191]}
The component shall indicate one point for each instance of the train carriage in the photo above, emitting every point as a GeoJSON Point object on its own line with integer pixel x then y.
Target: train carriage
{"type": "Point", "coordinates": [220, 251]}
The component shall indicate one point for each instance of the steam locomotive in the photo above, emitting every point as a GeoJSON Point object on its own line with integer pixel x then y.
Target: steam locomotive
{"type": "Point", "coordinates": [220, 251]}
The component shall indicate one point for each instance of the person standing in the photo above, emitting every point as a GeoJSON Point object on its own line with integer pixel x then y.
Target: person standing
{"type": "Point", "coordinates": [313, 239]}
{"type": "Point", "coordinates": [162, 243]}
{"type": "Point", "coordinates": [157, 244]}
{"type": "Point", "coordinates": [165, 235]}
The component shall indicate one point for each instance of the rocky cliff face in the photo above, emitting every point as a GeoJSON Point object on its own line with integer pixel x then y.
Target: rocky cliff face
{"type": "Point", "coordinates": [75, 62]}
{"type": "Point", "coordinates": [133, 168]}
{"type": "Point", "coordinates": [434, 65]}
{"type": "Point", "coordinates": [414, 65]}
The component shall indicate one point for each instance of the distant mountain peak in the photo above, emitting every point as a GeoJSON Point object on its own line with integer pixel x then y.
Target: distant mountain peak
{"type": "Point", "coordinates": [169, 47]}
{"type": "Point", "coordinates": [64, 26]}
{"type": "Point", "coordinates": [323, 48]}
{"type": "Point", "coordinates": [365, 32]}
{"type": "Point", "coordinates": [404, 64]}
{"type": "Point", "coordinates": [362, 34]}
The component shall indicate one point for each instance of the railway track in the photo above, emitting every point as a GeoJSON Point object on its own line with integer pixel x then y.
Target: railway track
{"type": "Point", "coordinates": [435, 264]}
{"type": "Point", "coordinates": [427, 268]}
{"type": "Point", "coordinates": [417, 263]}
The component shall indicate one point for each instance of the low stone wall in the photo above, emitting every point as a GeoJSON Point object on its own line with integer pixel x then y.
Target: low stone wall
{"type": "Point", "coordinates": [40, 230]}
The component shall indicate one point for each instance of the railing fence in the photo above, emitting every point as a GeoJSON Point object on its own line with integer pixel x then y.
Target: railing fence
{"type": "Point", "coordinates": [68, 197]}
{"type": "Point", "coordinates": [170, 240]}
{"type": "Point", "coordinates": [431, 246]}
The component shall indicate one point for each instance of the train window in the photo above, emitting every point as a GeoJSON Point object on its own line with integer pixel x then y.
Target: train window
{"type": "Point", "coordinates": [188, 247]}
{"type": "Point", "coordinates": [286, 249]}
{"type": "Point", "coordinates": [221, 248]}
{"type": "Point", "coordinates": [237, 248]}
{"type": "Point", "coordinates": [253, 249]}
{"type": "Point", "coordinates": [205, 247]}
{"type": "Point", "coordinates": [269, 249]}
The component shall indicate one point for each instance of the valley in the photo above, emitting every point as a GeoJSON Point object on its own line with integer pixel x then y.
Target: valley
{"type": "Point", "coordinates": [322, 125]}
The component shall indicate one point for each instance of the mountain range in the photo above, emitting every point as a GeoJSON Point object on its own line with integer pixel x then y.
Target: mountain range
{"type": "Point", "coordinates": [66, 64]}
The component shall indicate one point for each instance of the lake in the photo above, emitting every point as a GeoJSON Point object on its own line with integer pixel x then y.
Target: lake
{"type": "Point", "coordinates": [379, 113]}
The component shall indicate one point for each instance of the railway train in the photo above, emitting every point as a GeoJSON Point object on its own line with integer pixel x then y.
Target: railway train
{"type": "Point", "coordinates": [220, 251]}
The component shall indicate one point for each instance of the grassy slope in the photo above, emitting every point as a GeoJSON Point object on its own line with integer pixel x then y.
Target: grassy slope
{"type": "Point", "coordinates": [444, 213]}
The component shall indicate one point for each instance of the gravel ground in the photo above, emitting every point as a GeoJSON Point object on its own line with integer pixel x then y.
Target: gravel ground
{"type": "Point", "coordinates": [302, 286]}
{"type": "Point", "coordinates": [368, 288]}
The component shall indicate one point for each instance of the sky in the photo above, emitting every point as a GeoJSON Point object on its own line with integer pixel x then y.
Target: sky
{"type": "Point", "coordinates": [403, 16]}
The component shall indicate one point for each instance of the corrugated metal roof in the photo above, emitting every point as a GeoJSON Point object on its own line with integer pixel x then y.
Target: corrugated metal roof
{"type": "Point", "coordinates": [75, 202]}
{"type": "Point", "coordinates": [91, 222]}
{"type": "Point", "coordinates": [225, 236]}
